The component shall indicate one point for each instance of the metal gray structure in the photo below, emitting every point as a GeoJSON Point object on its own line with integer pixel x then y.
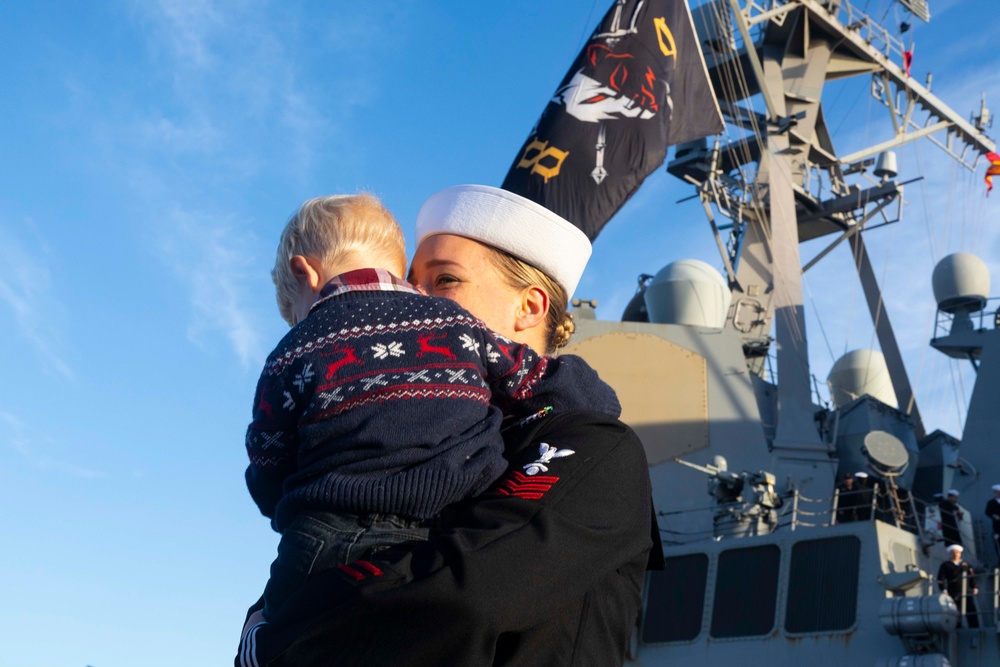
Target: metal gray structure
{"type": "Point", "coordinates": [768, 562]}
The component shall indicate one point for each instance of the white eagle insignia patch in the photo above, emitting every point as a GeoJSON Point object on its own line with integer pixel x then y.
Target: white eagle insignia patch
{"type": "Point", "coordinates": [546, 454]}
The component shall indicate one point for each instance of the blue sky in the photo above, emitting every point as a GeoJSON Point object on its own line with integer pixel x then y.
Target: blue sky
{"type": "Point", "coordinates": [151, 153]}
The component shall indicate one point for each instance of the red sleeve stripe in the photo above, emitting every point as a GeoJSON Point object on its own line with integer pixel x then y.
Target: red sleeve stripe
{"type": "Point", "coordinates": [351, 572]}
{"type": "Point", "coordinates": [514, 486]}
{"type": "Point", "coordinates": [360, 570]}
{"type": "Point", "coordinates": [521, 494]}
{"type": "Point", "coordinates": [369, 567]}
{"type": "Point", "coordinates": [523, 486]}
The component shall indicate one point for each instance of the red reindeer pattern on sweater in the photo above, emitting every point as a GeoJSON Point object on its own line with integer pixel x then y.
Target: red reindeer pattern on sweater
{"type": "Point", "coordinates": [385, 400]}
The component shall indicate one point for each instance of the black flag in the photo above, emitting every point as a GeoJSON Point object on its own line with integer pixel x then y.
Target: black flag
{"type": "Point", "coordinates": [638, 86]}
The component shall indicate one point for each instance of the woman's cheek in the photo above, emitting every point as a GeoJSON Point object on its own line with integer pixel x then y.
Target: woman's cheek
{"type": "Point", "coordinates": [459, 296]}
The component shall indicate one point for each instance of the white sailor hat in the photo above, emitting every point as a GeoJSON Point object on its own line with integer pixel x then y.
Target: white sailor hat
{"type": "Point", "coordinates": [953, 492]}
{"type": "Point", "coordinates": [956, 547]}
{"type": "Point", "coordinates": [862, 475]}
{"type": "Point", "coordinates": [507, 221]}
{"type": "Point", "coordinates": [996, 487]}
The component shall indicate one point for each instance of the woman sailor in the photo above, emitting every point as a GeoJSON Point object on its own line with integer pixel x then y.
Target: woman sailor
{"type": "Point", "coordinates": [547, 567]}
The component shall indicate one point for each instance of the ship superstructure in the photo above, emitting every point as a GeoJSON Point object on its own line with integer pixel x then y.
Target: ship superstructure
{"type": "Point", "coordinates": [771, 559]}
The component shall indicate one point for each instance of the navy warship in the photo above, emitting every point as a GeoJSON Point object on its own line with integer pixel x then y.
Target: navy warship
{"type": "Point", "coordinates": [772, 557]}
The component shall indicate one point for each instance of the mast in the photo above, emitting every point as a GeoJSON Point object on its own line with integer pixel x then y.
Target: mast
{"type": "Point", "coordinates": [801, 191]}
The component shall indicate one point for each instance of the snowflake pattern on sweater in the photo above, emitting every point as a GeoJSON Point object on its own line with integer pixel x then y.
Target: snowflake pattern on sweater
{"type": "Point", "coordinates": [385, 400]}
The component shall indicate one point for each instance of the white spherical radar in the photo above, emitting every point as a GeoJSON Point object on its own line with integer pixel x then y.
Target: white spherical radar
{"type": "Point", "coordinates": [689, 292]}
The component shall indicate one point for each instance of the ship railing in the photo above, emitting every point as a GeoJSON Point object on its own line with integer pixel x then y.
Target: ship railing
{"type": "Point", "coordinates": [846, 506]}
{"type": "Point", "coordinates": [817, 395]}
{"type": "Point", "coordinates": [816, 511]}
{"type": "Point", "coordinates": [904, 509]}
{"type": "Point", "coordinates": [857, 504]}
{"type": "Point", "coordinates": [970, 601]}
{"type": "Point", "coordinates": [874, 34]}
{"type": "Point", "coordinates": [879, 38]}
{"type": "Point", "coordinates": [851, 505]}
{"type": "Point", "coordinates": [989, 314]}
{"type": "Point", "coordinates": [884, 502]}
{"type": "Point", "coordinates": [671, 537]}
{"type": "Point", "coordinates": [918, 508]}
{"type": "Point", "coordinates": [996, 598]}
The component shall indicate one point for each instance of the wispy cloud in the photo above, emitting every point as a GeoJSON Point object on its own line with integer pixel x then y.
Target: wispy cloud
{"type": "Point", "coordinates": [234, 82]}
{"type": "Point", "coordinates": [237, 107]}
{"type": "Point", "coordinates": [17, 436]}
{"type": "Point", "coordinates": [194, 135]}
{"type": "Point", "coordinates": [25, 288]}
{"type": "Point", "coordinates": [220, 267]}
{"type": "Point", "coordinates": [186, 28]}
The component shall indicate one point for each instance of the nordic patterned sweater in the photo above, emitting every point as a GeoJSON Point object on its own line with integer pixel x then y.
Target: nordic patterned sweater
{"type": "Point", "coordinates": [380, 402]}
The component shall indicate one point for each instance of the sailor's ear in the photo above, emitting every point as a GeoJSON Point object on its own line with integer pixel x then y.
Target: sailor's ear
{"type": "Point", "coordinates": [307, 270]}
{"type": "Point", "coordinates": [533, 307]}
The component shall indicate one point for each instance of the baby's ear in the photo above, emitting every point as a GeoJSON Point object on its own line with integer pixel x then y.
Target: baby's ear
{"type": "Point", "coordinates": [298, 265]}
{"type": "Point", "coordinates": [306, 269]}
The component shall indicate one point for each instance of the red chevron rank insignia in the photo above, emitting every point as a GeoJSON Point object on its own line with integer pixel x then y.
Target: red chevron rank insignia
{"type": "Point", "coordinates": [360, 570]}
{"type": "Point", "coordinates": [522, 486]}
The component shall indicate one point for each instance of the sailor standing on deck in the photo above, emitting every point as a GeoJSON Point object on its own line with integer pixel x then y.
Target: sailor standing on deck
{"type": "Point", "coordinates": [950, 576]}
{"type": "Point", "coordinates": [951, 514]}
{"type": "Point", "coordinates": [993, 512]}
{"type": "Point", "coordinates": [847, 500]}
{"type": "Point", "coordinates": [863, 497]}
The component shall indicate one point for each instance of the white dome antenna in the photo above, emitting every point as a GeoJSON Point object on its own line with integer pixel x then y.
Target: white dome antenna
{"type": "Point", "coordinates": [961, 283]}
{"type": "Point", "coordinates": [689, 292]}
{"type": "Point", "coordinates": [861, 372]}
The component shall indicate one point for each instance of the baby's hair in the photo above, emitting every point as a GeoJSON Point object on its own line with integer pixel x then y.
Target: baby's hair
{"type": "Point", "coordinates": [331, 229]}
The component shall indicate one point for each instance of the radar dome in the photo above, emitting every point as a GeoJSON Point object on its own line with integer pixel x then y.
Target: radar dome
{"type": "Point", "coordinates": [858, 373]}
{"type": "Point", "coordinates": [961, 283]}
{"type": "Point", "coordinates": [689, 292]}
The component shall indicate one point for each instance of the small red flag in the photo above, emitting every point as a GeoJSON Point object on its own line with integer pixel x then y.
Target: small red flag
{"type": "Point", "coordinates": [992, 170]}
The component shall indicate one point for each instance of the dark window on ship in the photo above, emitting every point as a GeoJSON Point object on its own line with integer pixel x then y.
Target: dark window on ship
{"type": "Point", "coordinates": [746, 592]}
{"type": "Point", "coordinates": [675, 600]}
{"type": "Point", "coordinates": [823, 585]}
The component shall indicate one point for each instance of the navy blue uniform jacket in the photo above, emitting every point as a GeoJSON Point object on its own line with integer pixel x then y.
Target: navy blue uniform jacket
{"type": "Point", "coordinates": [546, 568]}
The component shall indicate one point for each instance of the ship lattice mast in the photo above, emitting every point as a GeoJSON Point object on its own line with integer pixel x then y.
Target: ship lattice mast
{"type": "Point", "coordinates": [801, 188]}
